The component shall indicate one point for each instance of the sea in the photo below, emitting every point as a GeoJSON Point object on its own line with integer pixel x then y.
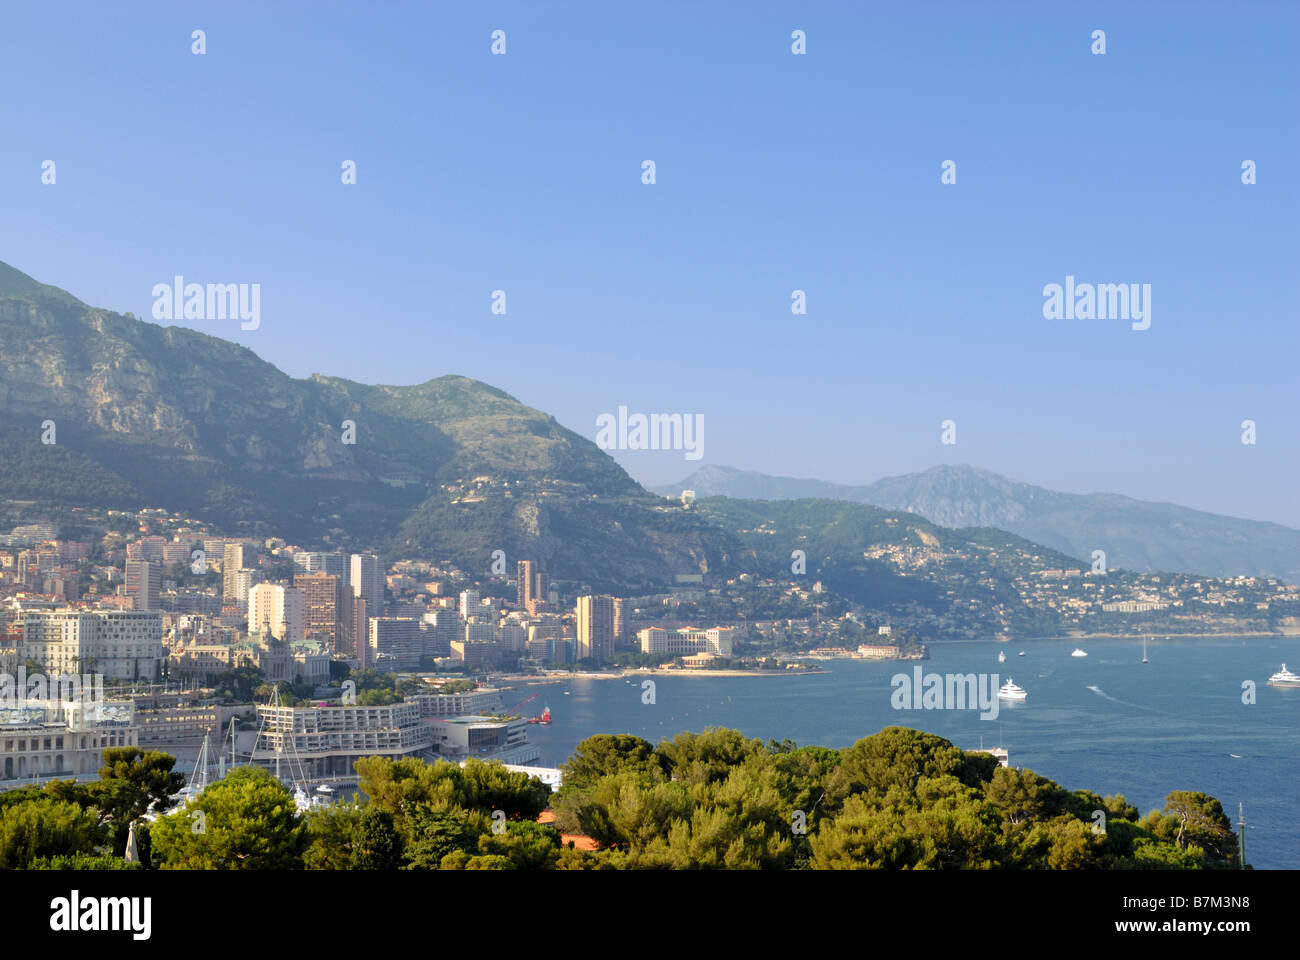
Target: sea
{"type": "Point", "coordinates": [1106, 722]}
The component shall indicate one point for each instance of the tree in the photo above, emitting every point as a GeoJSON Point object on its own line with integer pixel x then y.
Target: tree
{"type": "Point", "coordinates": [1201, 821]}
{"type": "Point", "coordinates": [490, 786]}
{"type": "Point", "coordinates": [376, 844]}
{"type": "Point", "coordinates": [1022, 796]}
{"type": "Point", "coordinates": [436, 833]}
{"type": "Point", "coordinates": [132, 780]}
{"type": "Point", "coordinates": [460, 860]}
{"type": "Point", "coordinates": [526, 844]}
{"type": "Point", "coordinates": [897, 756]}
{"type": "Point", "coordinates": [399, 785]}
{"type": "Point", "coordinates": [239, 684]}
{"type": "Point", "coordinates": [940, 824]}
{"type": "Point", "coordinates": [332, 831]}
{"type": "Point", "coordinates": [708, 756]}
{"type": "Point", "coordinates": [603, 754]}
{"type": "Point", "coordinates": [83, 861]}
{"type": "Point", "coordinates": [46, 827]}
{"type": "Point", "coordinates": [248, 821]}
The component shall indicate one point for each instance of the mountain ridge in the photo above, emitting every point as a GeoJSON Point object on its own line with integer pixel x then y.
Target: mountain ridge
{"type": "Point", "coordinates": [147, 415]}
{"type": "Point", "coordinates": [1146, 536]}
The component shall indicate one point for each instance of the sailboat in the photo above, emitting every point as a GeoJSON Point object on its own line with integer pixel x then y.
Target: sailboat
{"type": "Point", "coordinates": [297, 777]}
{"type": "Point", "coordinates": [1144, 650]}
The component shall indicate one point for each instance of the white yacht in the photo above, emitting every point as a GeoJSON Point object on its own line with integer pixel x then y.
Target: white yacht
{"type": "Point", "coordinates": [1009, 691]}
{"type": "Point", "coordinates": [1021, 653]}
{"type": "Point", "coordinates": [1079, 652]}
{"type": "Point", "coordinates": [1284, 678]}
{"type": "Point", "coordinates": [1002, 656]}
{"type": "Point", "coordinates": [306, 802]}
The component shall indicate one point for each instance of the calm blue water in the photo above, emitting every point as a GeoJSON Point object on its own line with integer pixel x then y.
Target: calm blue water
{"type": "Point", "coordinates": [1107, 723]}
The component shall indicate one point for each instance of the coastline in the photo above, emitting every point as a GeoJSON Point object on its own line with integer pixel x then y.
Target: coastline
{"type": "Point", "coordinates": [528, 679]}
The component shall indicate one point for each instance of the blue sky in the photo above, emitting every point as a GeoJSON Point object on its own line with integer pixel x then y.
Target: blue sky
{"type": "Point", "coordinates": [775, 172]}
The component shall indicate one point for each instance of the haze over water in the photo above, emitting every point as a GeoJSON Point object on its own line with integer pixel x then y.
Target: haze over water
{"type": "Point", "coordinates": [1106, 723]}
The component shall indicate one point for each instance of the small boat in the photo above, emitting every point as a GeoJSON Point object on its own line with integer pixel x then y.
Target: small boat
{"type": "Point", "coordinates": [1021, 653]}
{"type": "Point", "coordinates": [1078, 652]}
{"type": "Point", "coordinates": [325, 788]}
{"type": "Point", "coordinates": [1284, 678]}
{"type": "Point", "coordinates": [1144, 650]}
{"type": "Point", "coordinates": [1002, 656]}
{"type": "Point", "coordinates": [1009, 691]}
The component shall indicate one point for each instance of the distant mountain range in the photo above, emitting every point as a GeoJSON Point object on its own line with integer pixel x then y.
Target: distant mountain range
{"type": "Point", "coordinates": [1136, 535]}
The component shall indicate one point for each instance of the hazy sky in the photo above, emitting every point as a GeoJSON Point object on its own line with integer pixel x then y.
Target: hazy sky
{"type": "Point", "coordinates": [775, 172]}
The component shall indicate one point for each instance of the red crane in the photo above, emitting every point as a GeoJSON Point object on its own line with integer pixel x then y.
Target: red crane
{"type": "Point", "coordinates": [513, 711]}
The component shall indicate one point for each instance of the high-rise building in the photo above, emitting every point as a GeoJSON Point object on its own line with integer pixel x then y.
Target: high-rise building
{"type": "Point", "coordinates": [622, 611]}
{"type": "Point", "coordinates": [354, 634]}
{"type": "Point", "coordinates": [245, 580]}
{"type": "Point", "coordinates": [277, 610]}
{"type": "Point", "coordinates": [471, 604]}
{"type": "Point", "coordinates": [315, 562]}
{"type": "Point", "coordinates": [525, 582]}
{"type": "Point", "coordinates": [513, 635]}
{"type": "Point", "coordinates": [323, 596]}
{"type": "Point", "coordinates": [143, 583]}
{"type": "Point", "coordinates": [444, 630]}
{"type": "Point", "coordinates": [236, 557]}
{"type": "Point", "coordinates": [595, 616]}
{"type": "Point", "coordinates": [396, 642]}
{"type": "Point", "coordinates": [367, 580]}
{"type": "Point", "coordinates": [533, 586]}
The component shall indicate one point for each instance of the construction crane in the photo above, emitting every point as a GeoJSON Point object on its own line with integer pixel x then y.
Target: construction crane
{"type": "Point", "coordinates": [514, 711]}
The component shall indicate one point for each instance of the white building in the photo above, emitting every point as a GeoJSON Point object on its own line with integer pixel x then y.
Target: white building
{"type": "Point", "coordinates": [471, 605]}
{"type": "Point", "coordinates": [486, 738]}
{"type": "Point", "coordinates": [279, 611]}
{"type": "Point", "coordinates": [59, 741]}
{"type": "Point", "coordinates": [687, 640]}
{"type": "Point", "coordinates": [244, 581]}
{"type": "Point", "coordinates": [118, 644]}
{"type": "Point", "coordinates": [367, 580]}
{"type": "Point", "coordinates": [324, 741]}
{"type": "Point", "coordinates": [480, 701]}
{"type": "Point", "coordinates": [480, 632]}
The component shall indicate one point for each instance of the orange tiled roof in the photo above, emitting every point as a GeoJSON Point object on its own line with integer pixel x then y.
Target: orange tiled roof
{"type": "Point", "coordinates": [579, 841]}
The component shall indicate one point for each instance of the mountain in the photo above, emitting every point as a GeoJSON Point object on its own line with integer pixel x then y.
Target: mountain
{"type": "Point", "coordinates": [1135, 534]}
{"type": "Point", "coordinates": [719, 481]}
{"type": "Point", "coordinates": [956, 584]}
{"type": "Point", "coordinates": [147, 415]}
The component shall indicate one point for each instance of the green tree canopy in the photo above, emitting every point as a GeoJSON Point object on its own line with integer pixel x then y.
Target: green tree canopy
{"type": "Point", "coordinates": [248, 821]}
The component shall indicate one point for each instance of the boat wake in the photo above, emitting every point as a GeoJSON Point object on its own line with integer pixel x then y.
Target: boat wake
{"type": "Point", "coordinates": [1106, 696]}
